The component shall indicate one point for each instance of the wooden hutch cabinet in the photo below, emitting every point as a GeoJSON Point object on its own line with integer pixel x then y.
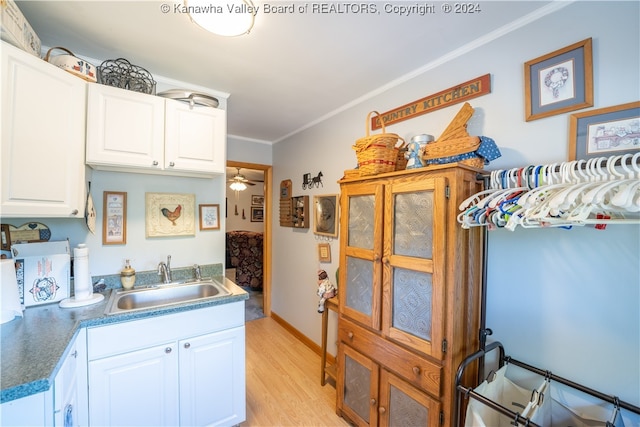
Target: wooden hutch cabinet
{"type": "Point", "coordinates": [409, 295]}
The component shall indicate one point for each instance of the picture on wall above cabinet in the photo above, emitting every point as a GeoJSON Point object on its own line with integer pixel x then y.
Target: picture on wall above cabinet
{"type": "Point", "coordinates": [209, 217]}
{"type": "Point", "coordinates": [114, 214]}
{"type": "Point", "coordinates": [168, 214]}
{"type": "Point", "coordinates": [325, 218]}
{"type": "Point", "coordinates": [559, 82]}
{"type": "Point", "coordinates": [605, 132]}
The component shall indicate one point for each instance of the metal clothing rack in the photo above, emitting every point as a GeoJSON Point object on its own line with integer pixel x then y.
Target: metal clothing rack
{"type": "Point", "coordinates": [517, 418]}
{"type": "Point", "coordinates": [485, 348]}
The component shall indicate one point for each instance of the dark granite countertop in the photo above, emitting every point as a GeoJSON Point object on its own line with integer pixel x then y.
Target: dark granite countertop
{"type": "Point", "coordinates": [34, 346]}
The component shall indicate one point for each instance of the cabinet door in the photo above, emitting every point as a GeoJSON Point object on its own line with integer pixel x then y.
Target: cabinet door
{"type": "Point", "coordinates": [124, 128]}
{"type": "Point", "coordinates": [413, 260]}
{"type": "Point", "coordinates": [43, 127]}
{"type": "Point", "coordinates": [195, 138]}
{"type": "Point", "coordinates": [404, 405]}
{"type": "Point", "coordinates": [65, 395]}
{"type": "Point", "coordinates": [139, 388]}
{"type": "Point", "coordinates": [357, 387]}
{"type": "Point", "coordinates": [361, 222]}
{"type": "Point", "coordinates": [212, 379]}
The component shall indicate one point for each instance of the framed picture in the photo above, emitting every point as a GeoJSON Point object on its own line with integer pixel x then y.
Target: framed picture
{"type": "Point", "coordinates": [559, 82]}
{"type": "Point", "coordinates": [605, 132]}
{"type": "Point", "coordinates": [6, 237]}
{"type": "Point", "coordinates": [257, 200]}
{"type": "Point", "coordinates": [168, 214]}
{"type": "Point", "coordinates": [325, 215]}
{"type": "Point", "coordinates": [324, 252]}
{"type": "Point", "coordinates": [209, 217]}
{"type": "Point", "coordinates": [114, 218]}
{"type": "Point", "coordinates": [257, 214]}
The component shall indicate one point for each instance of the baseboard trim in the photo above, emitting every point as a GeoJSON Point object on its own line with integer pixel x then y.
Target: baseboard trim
{"type": "Point", "coordinates": [302, 337]}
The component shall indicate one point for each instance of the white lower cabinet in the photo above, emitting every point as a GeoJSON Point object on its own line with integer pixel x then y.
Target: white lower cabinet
{"type": "Point", "coordinates": [139, 388]}
{"type": "Point", "coordinates": [183, 369]}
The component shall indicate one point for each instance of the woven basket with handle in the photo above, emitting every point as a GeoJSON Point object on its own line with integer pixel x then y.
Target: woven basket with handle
{"type": "Point", "coordinates": [377, 153]}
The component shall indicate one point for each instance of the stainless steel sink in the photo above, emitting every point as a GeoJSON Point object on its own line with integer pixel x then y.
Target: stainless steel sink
{"type": "Point", "coordinates": [164, 295]}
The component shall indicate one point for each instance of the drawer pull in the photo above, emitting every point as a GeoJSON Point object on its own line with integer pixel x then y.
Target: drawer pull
{"type": "Point", "coordinates": [187, 345]}
{"type": "Point", "coordinates": [416, 370]}
{"type": "Point", "coordinates": [172, 164]}
{"type": "Point", "coordinates": [155, 163]}
{"type": "Point", "coordinates": [350, 335]}
{"type": "Point", "coordinates": [167, 350]}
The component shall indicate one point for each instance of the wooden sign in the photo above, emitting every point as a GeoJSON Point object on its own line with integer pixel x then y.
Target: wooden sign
{"type": "Point", "coordinates": [454, 95]}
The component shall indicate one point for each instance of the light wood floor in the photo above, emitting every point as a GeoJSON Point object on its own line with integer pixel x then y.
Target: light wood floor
{"type": "Point", "coordinates": [283, 380]}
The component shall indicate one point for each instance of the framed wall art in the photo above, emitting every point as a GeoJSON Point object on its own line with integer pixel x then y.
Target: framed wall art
{"type": "Point", "coordinates": [559, 82]}
{"type": "Point", "coordinates": [209, 217]}
{"type": "Point", "coordinates": [325, 215]}
{"type": "Point", "coordinates": [257, 214]}
{"type": "Point", "coordinates": [169, 214]}
{"type": "Point", "coordinates": [605, 132]}
{"type": "Point", "coordinates": [257, 200]}
{"type": "Point", "coordinates": [114, 218]}
{"type": "Point", "coordinates": [324, 252]}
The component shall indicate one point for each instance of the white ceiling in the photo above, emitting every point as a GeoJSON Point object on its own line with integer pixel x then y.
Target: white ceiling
{"type": "Point", "coordinates": [292, 70]}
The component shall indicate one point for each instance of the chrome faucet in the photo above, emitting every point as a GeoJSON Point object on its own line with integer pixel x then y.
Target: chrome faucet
{"type": "Point", "coordinates": [164, 270]}
{"type": "Point", "coordinates": [197, 272]}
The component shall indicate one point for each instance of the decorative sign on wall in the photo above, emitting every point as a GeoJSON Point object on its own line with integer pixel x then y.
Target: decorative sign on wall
{"type": "Point", "coordinates": [454, 95]}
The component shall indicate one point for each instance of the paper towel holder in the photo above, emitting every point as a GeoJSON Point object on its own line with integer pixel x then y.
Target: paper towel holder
{"type": "Point", "coordinates": [83, 288]}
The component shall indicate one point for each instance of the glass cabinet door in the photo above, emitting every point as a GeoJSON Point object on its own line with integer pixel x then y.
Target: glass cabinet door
{"type": "Point", "coordinates": [360, 280]}
{"type": "Point", "coordinates": [403, 405]}
{"type": "Point", "coordinates": [413, 290]}
{"type": "Point", "coordinates": [360, 387]}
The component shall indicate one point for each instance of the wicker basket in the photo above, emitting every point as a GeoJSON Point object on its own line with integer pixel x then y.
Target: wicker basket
{"type": "Point", "coordinates": [387, 139]}
{"type": "Point", "coordinates": [450, 147]}
{"type": "Point", "coordinates": [377, 153]}
{"type": "Point", "coordinates": [401, 162]}
{"type": "Point", "coordinates": [375, 158]}
{"type": "Point", "coordinates": [475, 162]}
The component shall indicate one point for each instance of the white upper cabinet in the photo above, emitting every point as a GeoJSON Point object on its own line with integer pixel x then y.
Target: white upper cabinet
{"type": "Point", "coordinates": [43, 134]}
{"type": "Point", "coordinates": [195, 138]}
{"type": "Point", "coordinates": [134, 132]}
{"type": "Point", "coordinates": [124, 129]}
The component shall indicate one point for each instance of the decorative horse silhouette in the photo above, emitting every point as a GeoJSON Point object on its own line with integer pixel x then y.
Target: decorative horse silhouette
{"type": "Point", "coordinates": [317, 180]}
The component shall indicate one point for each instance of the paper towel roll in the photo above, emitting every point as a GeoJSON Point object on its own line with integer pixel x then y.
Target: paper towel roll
{"type": "Point", "coordinates": [9, 297]}
{"type": "Point", "coordinates": [81, 278]}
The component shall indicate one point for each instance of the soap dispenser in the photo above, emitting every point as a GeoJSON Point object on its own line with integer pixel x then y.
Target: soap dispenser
{"type": "Point", "coordinates": [127, 276]}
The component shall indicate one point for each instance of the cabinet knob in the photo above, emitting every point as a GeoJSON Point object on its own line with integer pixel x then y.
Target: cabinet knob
{"type": "Point", "coordinates": [350, 335]}
{"type": "Point", "coordinates": [172, 164]}
{"type": "Point", "coordinates": [75, 354]}
{"type": "Point", "coordinates": [74, 212]}
{"type": "Point", "coordinates": [167, 350]}
{"type": "Point", "coordinates": [376, 258]}
{"type": "Point", "coordinates": [155, 163]}
{"type": "Point", "coordinates": [373, 402]}
{"type": "Point", "coordinates": [187, 345]}
{"type": "Point", "coordinates": [382, 410]}
{"type": "Point", "coordinates": [416, 370]}
{"type": "Point", "coordinates": [385, 260]}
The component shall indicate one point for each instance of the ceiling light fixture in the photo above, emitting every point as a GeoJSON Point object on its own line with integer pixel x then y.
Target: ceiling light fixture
{"type": "Point", "coordinates": [238, 186]}
{"type": "Point", "coordinates": [223, 17]}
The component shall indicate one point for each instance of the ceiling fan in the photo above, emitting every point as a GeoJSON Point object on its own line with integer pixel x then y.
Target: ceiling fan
{"type": "Point", "coordinates": [239, 179]}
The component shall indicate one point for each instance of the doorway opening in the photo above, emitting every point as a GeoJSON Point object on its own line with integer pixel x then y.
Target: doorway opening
{"type": "Point", "coordinates": [250, 209]}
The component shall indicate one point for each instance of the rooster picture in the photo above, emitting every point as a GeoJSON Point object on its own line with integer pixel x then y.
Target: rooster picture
{"type": "Point", "coordinates": [172, 215]}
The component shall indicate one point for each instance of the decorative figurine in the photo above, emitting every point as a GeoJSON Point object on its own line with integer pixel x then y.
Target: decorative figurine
{"type": "Point", "coordinates": [326, 289]}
